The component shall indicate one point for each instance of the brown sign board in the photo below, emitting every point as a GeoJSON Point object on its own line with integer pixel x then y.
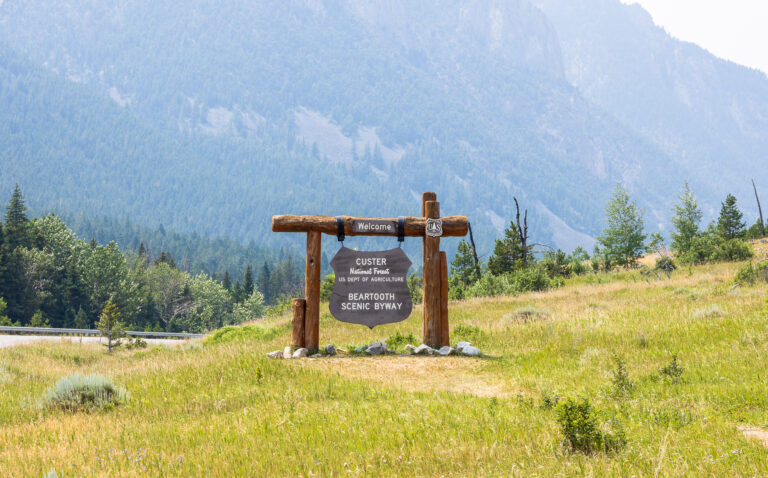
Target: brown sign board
{"type": "Point", "coordinates": [370, 287]}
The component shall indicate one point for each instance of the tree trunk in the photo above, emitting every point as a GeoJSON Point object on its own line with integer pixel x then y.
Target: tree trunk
{"type": "Point", "coordinates": [522, 231]}
{"type": "Point", "coordinates": [759, 209]}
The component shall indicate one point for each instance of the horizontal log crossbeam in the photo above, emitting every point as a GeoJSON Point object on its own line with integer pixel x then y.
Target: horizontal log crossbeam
{"type": "Point", "coordinates": [453, 226]}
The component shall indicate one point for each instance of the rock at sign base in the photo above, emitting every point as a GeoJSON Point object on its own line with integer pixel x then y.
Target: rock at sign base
{"type": "Point", "coordinates": [410, 349]}
{"type": "Point", "coordinates": [330, 350]}
{"type": "Point", "coordinates": [423, 349]}
{"type": "Point", "coordinates": [316, 355]}
{"type": "Point", "coordinates": [300, 353]}
{"type": "Point", "coordinates": [287, 353]}
{"type": "Point", "coordinates": [461, 345]}
{"type": "Point", "coordinates": [471, 351]}
{"type": "Point", "coordinates": [361, 349]}
{"type": "Point", "coordinates": [445, 350]}
{"type": "Point", "coordinates": [277, 354]}
{"type": "Point", "coordinates": [377, 348]}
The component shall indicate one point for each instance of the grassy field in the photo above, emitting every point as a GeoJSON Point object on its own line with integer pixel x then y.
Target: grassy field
{"type": "Point", "coordinates": [225, 410]}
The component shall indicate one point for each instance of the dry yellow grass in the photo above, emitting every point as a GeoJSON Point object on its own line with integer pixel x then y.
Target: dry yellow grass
{"type": "Point", "coordinates": [205, 411]}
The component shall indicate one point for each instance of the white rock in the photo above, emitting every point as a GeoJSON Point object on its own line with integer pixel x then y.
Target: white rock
{"type": "Point", "coordinates": [410, 349]}
{"type": "Point", "coordinates": [317, 355]}
{"type": "Point", "coordinates": [424, 350]}
{"type": "Point", "coordinates": [471, 351]}
{"type": "Point", "coordinates": [461, 345]}
{"type": "Point", "coordinates": [445, 350]}
{"type": "Point", "coordinates": [277, 354]}
{"type": "Point", "coordinates": [300, 353]}
{"type": "Point", "coordinates": [287, 353]}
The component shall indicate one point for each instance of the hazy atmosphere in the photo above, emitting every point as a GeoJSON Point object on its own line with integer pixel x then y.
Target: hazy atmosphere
{"type": "Point", "coordinates": [394, 238]}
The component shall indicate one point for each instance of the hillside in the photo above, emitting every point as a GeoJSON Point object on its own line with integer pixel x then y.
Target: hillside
{"type": "Point", "coordinates": [333, 107]}
{"type": "Point", "coordinates": [223, 409]}
{"type": "Point", "coordinates": [702, 111]}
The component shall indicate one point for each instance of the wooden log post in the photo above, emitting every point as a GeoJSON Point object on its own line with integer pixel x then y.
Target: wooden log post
{"type": "Point", "coordinates": [445, 338]}
{"type": "Point", "coordinates": [425, 196]}
{"type": "Point", "coordinates": [431, 281]}
{"type": "Point", "coordinates": [299, 308]}
{"type": "Point", "coordinates": [312, 291]}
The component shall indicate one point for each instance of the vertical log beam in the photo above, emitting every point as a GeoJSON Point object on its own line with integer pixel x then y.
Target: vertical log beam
{"type": "Point", "coordinates": [312, 291]}
{"type": "Point", "coordinates": [425, 197]}
{"type": "Point", "coordinates": [299, 308]}
{"type": "Point", "coordinates": [428, 196]}
{"type": "Point", "coordinates": [445, 338]}
{"type": "Point", "coordinates": [432, 280]}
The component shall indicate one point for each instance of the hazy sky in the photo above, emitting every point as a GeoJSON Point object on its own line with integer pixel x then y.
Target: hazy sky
{"type": "Point", "coordinates": [736, 30]}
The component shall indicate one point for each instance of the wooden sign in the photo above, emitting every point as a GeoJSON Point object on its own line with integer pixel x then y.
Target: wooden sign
{"type": "Point", "coordinates": [430, 227]}
{"type": "Point", "coordinates": [370, 287]}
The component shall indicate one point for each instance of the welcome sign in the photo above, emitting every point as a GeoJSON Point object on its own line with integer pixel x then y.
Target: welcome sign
{"type": "Point", "coordinates": [370, 287]}
{"type": "Point", "coordinates": [373, 227]}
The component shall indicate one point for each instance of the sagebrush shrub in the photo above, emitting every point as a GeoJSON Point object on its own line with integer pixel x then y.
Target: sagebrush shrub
{"type": "Point", "coordinates": [526, 314]}
{"type": "Point", "coordinates": [78, 392]}
{"type": "Point", "coordinates": [709, 312]}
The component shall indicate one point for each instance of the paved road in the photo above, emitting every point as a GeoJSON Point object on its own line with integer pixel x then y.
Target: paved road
{"type": "Point", "coordinates": [12, 340]}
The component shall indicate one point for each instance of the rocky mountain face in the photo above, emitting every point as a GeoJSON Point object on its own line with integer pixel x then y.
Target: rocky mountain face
{"type": "Point", "coordinates": [708, 115]}
{"type": "Point", "coordinates": [548, 100]}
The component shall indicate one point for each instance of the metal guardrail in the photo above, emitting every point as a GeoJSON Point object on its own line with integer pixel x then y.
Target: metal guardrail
{"type": "Point", "coordinates": [52, 331]}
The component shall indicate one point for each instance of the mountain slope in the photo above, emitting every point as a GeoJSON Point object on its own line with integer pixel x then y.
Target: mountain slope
{"type": "Point", "coordinates": [709, 115]}
{"type": "Point", "coordinates": [335, 106]}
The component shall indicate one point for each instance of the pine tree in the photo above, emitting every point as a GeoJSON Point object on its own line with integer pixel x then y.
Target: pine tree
{"type": "Point", "coordinates": [248, 281]}
{"type": "Point", "coordinates": [729, 224]}
{"type": "Point", "coordinates": [463, 266]}
{"type": "Point", "coordinates": [165, 258]}
{"type": "Point", "coordinates": [237, 293]}
{"type": "Point", "coordinates": [507, 252]}
{"type": "Point", "coordinates": [686, 221]}
{"type": "Point", "coordinates": [265, 281]}
{"type": "Point", "coordinates": [227, 282]}
{"type": "Point", "coordinates": [16, 234]}
{"type": "Point", "coordinates": [4, 320]}
{"type": "Point", "coordinates": [81, 320]}
{"type": "Point", "coordinates": [17, 226]}
{"type": "Point", "coordinates": [277, 282]}
{"type": "Point", "coordinates": [3, 277]}
{"type": "Point", "coordinates": [623, 239]}
{"type": "Point", "coordinates": [38, 320]}
{"type": "Point", "coordinates": [110, 326]}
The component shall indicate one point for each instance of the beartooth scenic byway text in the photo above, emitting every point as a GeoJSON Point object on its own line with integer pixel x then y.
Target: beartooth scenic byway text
{"type": "Point", "coordinates": [371, 296]}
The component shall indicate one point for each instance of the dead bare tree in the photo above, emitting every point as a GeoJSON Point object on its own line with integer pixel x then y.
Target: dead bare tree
{"type": "Point", "coordinates": [474, 250]}
{"type": "Point", "coordinates": [523, 232]}
{"type": "Point", "coordinates": [759, 209]}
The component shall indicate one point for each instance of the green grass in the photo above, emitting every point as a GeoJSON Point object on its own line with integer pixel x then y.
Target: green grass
{"type": "Point", "coordinates": [223, 409]}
